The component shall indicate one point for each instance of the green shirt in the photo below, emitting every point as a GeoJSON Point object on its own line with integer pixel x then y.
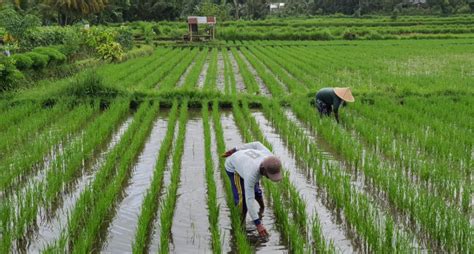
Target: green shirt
{"type": "Point", "coordinates": [328, 96]}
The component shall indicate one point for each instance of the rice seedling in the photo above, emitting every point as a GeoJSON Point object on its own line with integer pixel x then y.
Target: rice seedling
{"type": "Point", "coordinates": [211, 184]}
{"type": "Point", "coordinates": [150, 202]}
{"type": "Point", "coordinates": [169, 201]}
{"type": "Point", "coordinates": [243, 244]}
{"type": "Point", "coordinates": [191, 80]}
{"type": "Point", "coordinates": [211, 77]}
{"type": "Point", "coordinates": [249, 80]}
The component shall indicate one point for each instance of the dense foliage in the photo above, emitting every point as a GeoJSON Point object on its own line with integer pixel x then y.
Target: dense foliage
{"type": "Point", "coordinates": [99, 11]}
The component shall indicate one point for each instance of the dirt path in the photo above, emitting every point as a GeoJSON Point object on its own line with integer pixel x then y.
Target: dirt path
{"type": "Point", "coordinates": [275, 242]}
{"type": "Point", "coordinates": [121, 232]}
{"type": "Point", "coordinates": [190, 227]}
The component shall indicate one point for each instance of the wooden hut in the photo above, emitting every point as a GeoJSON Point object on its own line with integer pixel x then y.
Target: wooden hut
{"type": "Point", "coordinates": [194, 33]}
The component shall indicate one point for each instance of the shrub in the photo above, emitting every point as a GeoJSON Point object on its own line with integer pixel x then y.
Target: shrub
{"type": "Point", "coordinates": [89, 84]}
{"type": "Point", "coordinates": [39, 60]}
{"type": "Point", "coordinates": [22, 61]}
{"type": "Point", "coordinates": [125, 38]}
{"type": "Point", "coordinates": [10, 77]}
{"type": "Point", "coordinates": [348, 35]}
{"type": "Point", "coordinates": [111, 51]}
{"type": "Point", "coordinates": [55, 56]}
{"type": "Point", "coordinates": [156, 29]}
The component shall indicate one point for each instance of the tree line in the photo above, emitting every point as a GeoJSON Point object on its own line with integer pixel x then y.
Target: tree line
{"type": "Point", "coordinates": [66, 12]}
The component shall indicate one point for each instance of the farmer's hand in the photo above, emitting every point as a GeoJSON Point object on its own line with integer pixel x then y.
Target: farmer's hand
{"type": "Point", "coordinates": [229, 153]}
{"type": "Point", "coordinates": [262, 231]}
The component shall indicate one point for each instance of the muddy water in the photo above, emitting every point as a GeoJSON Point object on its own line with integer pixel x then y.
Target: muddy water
{"type": "Point", "coordinates": [275, 242]}
{"type": "Point", "coordinates": [224, 212]}
{"type": "Point", "coordinates": [182, 79]}
{"type": "Point", "coordinates": [239, 81]}
{"type": "Point", "coordinates": [155, 236]}
{"type": "Point", "coordinates": [190, 227]}
{"type": "Point", "coordinates": [298, 176]}
{"type": "Point", "coordinates": [269, 72]}
{"type": "Point", "coordinates": [49, 229]}
{"type": "Point", "coordinates": [361, 185]}
{"type": "Point", "coordinates": [121, 231]}
{"type": "Point", "coordinates": [326, 150]}
{"type": "Point", "coordinates": [202, 75]}
{"type": "Point", "coordinates": [261, 85]}
{"type": "Point", "coordinates": [220, 72]}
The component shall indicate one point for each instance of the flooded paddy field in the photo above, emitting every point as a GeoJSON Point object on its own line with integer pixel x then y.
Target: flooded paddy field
{"type": "Point", "coordinates": [141, 170]}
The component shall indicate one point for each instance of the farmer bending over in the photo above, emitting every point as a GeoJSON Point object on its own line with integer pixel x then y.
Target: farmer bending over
{"type": "Point", "coordinates": [245, 166]}
{"type": "Point", "coordinates": [330, 99]}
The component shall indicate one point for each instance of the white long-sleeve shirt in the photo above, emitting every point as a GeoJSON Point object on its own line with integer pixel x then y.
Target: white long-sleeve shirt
{"type": "Point", "coordinates": [246, 162]}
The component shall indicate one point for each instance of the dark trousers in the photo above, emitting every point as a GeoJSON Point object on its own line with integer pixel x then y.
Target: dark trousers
{"type": "Point", "coordinates": [238, 190]}
{"type": "Point", "coordinates": [323, 108]}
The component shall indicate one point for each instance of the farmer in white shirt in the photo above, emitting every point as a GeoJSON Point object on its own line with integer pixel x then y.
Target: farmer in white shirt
{"type": "Point", "coordinates": [245, 166]}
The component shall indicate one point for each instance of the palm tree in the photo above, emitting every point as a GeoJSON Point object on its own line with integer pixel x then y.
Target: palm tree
{"type": "Point", "coordinates": [68, 10]}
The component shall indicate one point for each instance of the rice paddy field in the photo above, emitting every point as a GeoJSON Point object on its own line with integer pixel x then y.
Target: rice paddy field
{"type": "Point", "coordinates": [140, 171]}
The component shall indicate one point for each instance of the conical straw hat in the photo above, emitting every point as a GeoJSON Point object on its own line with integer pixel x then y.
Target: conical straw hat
{"type": "Point", "coordinates": [344, 93]}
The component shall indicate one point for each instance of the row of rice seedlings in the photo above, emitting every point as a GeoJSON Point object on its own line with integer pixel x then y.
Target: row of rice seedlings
{"type": "Point", "coordinates": [294, 227]}
{"type": "Point", "coordinates": [13, 115]}
{"type": "Point", "coordinates": [229, 78]}
{"type": "Point", "coordinates": [239, 233]}
{"type": "Point", "coordinates": [102, 178]}
{"type": "Point", "coordinates": [375, 228]}
{"type": "Point", "coordinates": [211, 76]}
{"type": "Point", "coordinates": [39, 195]}
{"type": "Point", "coordinates": [290, 64]}
{"type": "Point", "coordinates": [136, 78]}
{"type": "Point", "coordinates": [321, 64]}
{"type": "Point", "coordinates": [212, 205]}
{"type": "Point", "coordinates": [113, 73]}
{"type": "Point", "coordinates": [440, 223]}
{"type": "Point", "coordinates": [441, 140]}
{"type": "Point", "coordinates": [291, 83]}
{"type": "Point", "coordinates": [93, 212]}
{"type": "Point", "coordinates": [432, 172]}
{"type": "Point", "coordinates": [21, 163]}
{"type": "Point", "coordinates": [249, 80]}
{"type": "Point", "coordinates": [159, 70]}
{"type": "Point", "coordinates": [269, 79]}
{"type": "Point", "coordinates": [16, 136]}
{"type": "Point", "coordinates": [150, 203]}
{"type": "Point", "coordinates": [193, 75]}
{"type": "Point", "coordinates": [456, 108]}
{"type": "Point", "coordinates": [63, 169]}
{"type": "Point", "coordinates": [169, 202]}
{"type": "Point", "coordinates": [286, 188]}
{"type": "Point", "coordinates": [178, 69]}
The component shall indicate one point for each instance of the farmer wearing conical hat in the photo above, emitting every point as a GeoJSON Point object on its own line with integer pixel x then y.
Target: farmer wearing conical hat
{"type": "Point", "coordinates": [245, 166]}
{"type": "Point", "coordinates": [330, 99]}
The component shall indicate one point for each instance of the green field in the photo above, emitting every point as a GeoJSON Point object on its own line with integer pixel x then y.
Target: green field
{"type": "Point", "coordinates": [125, 159]}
